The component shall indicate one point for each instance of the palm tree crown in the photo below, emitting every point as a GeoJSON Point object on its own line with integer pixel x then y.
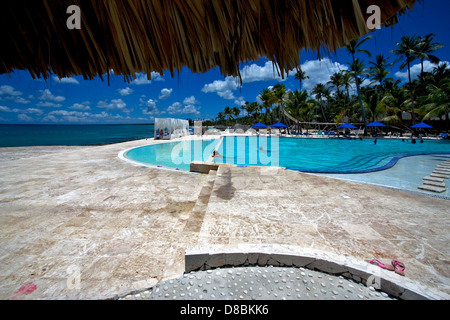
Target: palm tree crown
{"type": "Point", "coordinates": [354, 47]}
{"type": "Point", "coordinates": [426, 47]}
{"type": "Point", "coordinates": [408, 49]}
{"type": "Point", "coordinates": [301, 75]}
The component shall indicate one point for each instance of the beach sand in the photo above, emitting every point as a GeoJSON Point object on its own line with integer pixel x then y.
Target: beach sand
{"type": "Point", "coordinates": [81, 223]}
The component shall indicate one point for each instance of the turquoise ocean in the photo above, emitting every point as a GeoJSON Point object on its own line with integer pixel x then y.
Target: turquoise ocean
{"type": "Point", "coordinates": [71, 135]}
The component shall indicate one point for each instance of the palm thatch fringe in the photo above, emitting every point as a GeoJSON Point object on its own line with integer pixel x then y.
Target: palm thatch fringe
{"type": "Point", "coordinates": [131, 36]}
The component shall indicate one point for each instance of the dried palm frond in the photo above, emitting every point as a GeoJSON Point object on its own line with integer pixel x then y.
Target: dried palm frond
{"type": "Point", "coordinates": [131, 36]}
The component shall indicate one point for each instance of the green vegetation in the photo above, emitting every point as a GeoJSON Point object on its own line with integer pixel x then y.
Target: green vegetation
{"type": "Point", "coordinates": [378, 97]}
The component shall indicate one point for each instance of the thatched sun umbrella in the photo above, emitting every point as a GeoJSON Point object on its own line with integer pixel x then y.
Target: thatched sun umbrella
{"type": "Point", "coordinates": [130, 36]}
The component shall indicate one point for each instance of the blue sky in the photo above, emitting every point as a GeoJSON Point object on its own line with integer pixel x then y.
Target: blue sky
{"type": "Point", "coordinates": [191, 95]}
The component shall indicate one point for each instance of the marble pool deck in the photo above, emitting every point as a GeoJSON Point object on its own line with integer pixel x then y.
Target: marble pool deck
{"type": "Point", "coordinates": [82, 223]}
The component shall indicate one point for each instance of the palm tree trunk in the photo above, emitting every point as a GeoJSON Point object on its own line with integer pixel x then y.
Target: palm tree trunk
{"type": "Point", "coordinates": [359, 97]}
{"type": "Point", "coordinates": [361, 105]}
{"type": "Point", "coordinates": [413, 113]}
{"type": "Point", "coordinates": [323, 111]}
{"type": "Point", "coordinates": [447, 122]}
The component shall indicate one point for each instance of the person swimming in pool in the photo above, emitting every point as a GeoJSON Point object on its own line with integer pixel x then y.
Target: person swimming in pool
{"type": "Point", "coordinates": [262, 149]}
{"type": "Point", "coordinates": [216, 154]}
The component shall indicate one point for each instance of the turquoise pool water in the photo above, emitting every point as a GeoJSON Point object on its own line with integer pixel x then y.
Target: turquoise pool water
{"type": "Point", "coordinates": [324, 155]}
{"type": "Point", "coordinates": [176, 155]}
{"type": "Point", "coordinates": [307, 155]}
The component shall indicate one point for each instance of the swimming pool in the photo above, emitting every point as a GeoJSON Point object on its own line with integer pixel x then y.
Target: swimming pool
{"type": "Point", "coordinates": [177, 155]}
{"type": "Point", "coordinates": [302, 154]}
{"type": "Point", "coordinates": [324, 155]}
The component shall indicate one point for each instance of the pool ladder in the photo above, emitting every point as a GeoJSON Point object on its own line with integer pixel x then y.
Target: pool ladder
{"type": "Point", "coordinates": [436, 181]}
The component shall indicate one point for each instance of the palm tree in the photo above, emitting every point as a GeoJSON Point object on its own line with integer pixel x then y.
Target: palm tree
{"type": "Point", "coordinates": [426, 47]}
{"type": "Point", "coordinates": [236, 112]}
{"type": "Point", "coordinates": [279, 92]}
{"type": "Point", "coordinates": [357, 69]}
{"type": "Point", "coordinates": [252, 109]}
{"type": "Point", "coordinates": [347, 84]}
{"type": "Point", "coordinates": [408, 49]}
{"type": "Point", "coordinates": [336, 80]}
{"type": "Point", "coordinates": [321, 92]}
{"type": "Point", "coordinates": [244, 107]}
{"type": "Point", "coordinates": [441, 71]}
{"type": "Point", "coordinates": [388, 110]}
{"type": "Point", "coordinates": [220, 117]}
{"type": "Point", "coordinates": [268, 98]}
{"type": "Point", "coordinates": [378, 70]}
{"type": "Point", "coordinates": [355, 47]}
{"type": "Point", "coordinates": [227, 112]}
{"type": "Point", "coordinates": [301, 75]}
{"type": "Point", "coordinates": [439, 101]}
{"type": "Point", "coordinates": [297, 105]}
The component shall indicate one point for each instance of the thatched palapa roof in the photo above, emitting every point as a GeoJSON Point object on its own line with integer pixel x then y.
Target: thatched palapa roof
{"type": "Point", "coordinates": [130, 36]}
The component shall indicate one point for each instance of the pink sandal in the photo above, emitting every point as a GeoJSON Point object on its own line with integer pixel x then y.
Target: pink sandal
{"type": "Point", "coordinates": [381, 265]}
{"type": "Point", "coordinates": [399, 267]}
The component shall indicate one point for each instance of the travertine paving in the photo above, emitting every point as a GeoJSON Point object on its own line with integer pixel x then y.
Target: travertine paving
{"type": "Point", "coordinates": [80, 223]}
{"type": "Point", "coordinates": [82, 211]}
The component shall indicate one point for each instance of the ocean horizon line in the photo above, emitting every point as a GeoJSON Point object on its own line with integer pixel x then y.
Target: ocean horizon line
{"type": "Point", "coordinates": [76, 124]}
{"type": "Point", "coordinates": [25, 135]}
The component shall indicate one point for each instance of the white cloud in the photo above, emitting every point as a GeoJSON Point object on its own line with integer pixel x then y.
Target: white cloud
{"type": "Point", "coordinates": [141, 78]}
{"type": "Point", "coordinates": [223, 88]}
{"type": "Point", "coordinates": [178, 108]}
{"type": "Point", "coordinates": [175, 108]}
{"type": "Point", "coordinates": [9, 91]}
{"type": "Point", "coordinates": [156, 76]}
{"type": "Point", "coordinates": [115, 104]}
{"type": "Point", "coordinates": [151, 108]}
{"type": "Point", "coordinates": [84, 106]}
{"type": "Point", "coordinates": [190, 100]}
{"type": "Point", "coordinates": [189, 106]}
{"type": "Point", "coordinates": [82, 117]}
{"type": "Point", "coordinates": [250, 73]}
{"type": "Point", "coordinates": [32, 111]}
{"type": "Point", "coordinates": [66, 80]}
{"type": "Point", "coordinates": [4, 109]}
{"type": "Point", "coordinates": [165, 93]}
{"type": "Point", "coordinates": [125, 92]}
{"type": "Point", "coordinates": [72, 116]}
{"type": "Point", "coordinates": [22, 100]}
{"type": "Point", "coordinates": [240, 101]}
{"type": "Point", "coordinates": [191, 109]}
{"type": "Point", "coordinates": [48, 104]}
{"type": "Point", "coordinates": [227, 94]}
{"type": "Point", "coordinates": [320, 71]}
{"type": "Point", "coordinates": [416, 70]}
{"type": "Point", "coordinates": [22, 111]}
{"type": "Point", "coordinates": [253, 72]}
{"type": "Point", "coordinates": [47, 95]}
{"type": "Point", "coordinates": [24, 117]}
